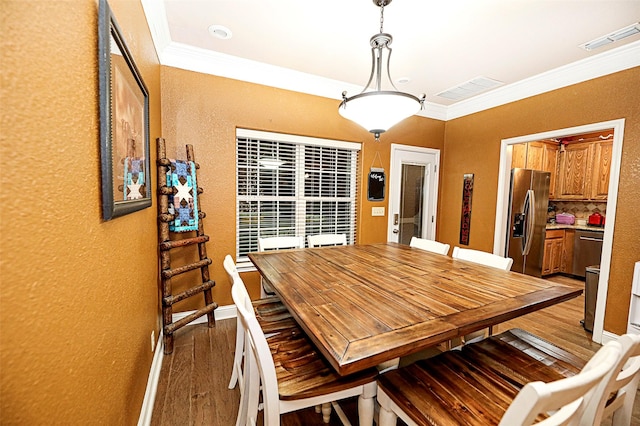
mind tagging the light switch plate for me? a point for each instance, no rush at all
(377, 211)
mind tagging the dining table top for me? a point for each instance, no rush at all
(364, 305)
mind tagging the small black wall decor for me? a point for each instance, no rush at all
(376, 185)
(465, 220)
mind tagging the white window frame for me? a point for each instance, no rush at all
(243, 263)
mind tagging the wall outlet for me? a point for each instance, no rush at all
(377, 211)
(153, 340)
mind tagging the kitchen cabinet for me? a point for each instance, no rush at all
(601, 170)
(551, 165)
(552, 261)
(539, 155)
(519, 156)
(584, 171)
(567, 252)
(575, 165)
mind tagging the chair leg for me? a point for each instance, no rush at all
(236, 376)
(243, 407)
(326, 412)
(252, 387)
(367, 405)
(387, 418)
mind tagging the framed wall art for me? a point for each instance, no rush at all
(124, 123)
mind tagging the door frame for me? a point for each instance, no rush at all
(502, 220)
(436, 183)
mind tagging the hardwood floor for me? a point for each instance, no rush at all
(192, 389)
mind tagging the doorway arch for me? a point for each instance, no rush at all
(502, 220)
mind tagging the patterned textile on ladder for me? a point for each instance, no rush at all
(184, 203)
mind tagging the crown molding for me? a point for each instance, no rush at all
(156, 16)
(609, 62)
(191, 58)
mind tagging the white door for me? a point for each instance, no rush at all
(413, 193)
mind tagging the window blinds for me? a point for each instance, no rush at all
(291, 185)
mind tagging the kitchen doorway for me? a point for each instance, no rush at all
(502, 219)
(413, 193)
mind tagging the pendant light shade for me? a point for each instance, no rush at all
(376, 109)
(380, 110)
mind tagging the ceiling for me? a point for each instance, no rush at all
(322, 48)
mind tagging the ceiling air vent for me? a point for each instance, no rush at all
(614, 36)
(470, 88)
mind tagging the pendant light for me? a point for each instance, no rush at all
(376, 109)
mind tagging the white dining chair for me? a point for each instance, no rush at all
(287, 373)
(272, 315)
(323, 240)
(413, 393)
(429, 245)
(276, 243)
(487, 259)
(617, 396)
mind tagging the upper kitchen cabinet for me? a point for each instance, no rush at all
(575, 168)
(539, 155)
(550, 165)
(584, 170)
(601, 170)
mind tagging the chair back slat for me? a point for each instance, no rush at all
(323, 240)
(279, 243)
(483, 258)
(430, 245)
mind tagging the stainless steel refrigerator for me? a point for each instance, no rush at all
(528, 202)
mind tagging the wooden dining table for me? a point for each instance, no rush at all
(364, 305)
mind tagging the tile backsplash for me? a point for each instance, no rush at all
(580, 209)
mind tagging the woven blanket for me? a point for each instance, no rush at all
(134, 178)
(184, 203)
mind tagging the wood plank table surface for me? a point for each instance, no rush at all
(363, 305)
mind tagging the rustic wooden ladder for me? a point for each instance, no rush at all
(166, 245)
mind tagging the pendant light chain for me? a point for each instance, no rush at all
(381, 16)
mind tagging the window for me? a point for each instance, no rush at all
(293, 186)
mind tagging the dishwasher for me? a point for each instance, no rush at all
(587, 250)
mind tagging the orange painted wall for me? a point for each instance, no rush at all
(205, 110)
(472, 145)
(78, 298)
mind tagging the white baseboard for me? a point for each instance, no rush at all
(152, 384)
(221, 312)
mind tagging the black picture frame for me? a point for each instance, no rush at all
(376, 185)
(124, 123)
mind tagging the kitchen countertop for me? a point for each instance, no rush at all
(579, 227)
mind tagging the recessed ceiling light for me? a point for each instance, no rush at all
(403, 80)
(220, 32)
(611, 37)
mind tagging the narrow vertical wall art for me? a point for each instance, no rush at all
(465, 220)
